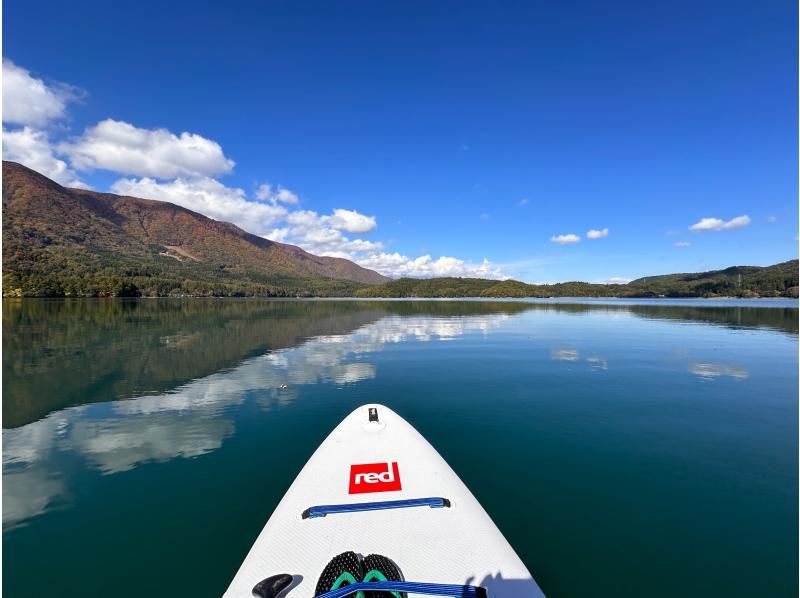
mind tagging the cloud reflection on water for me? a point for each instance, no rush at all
(565, 354)
(595, 362)
(711, 371)
(194, 419)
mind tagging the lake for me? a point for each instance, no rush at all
(624, 448)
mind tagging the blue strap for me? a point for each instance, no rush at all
(415, 587)
(322, 510)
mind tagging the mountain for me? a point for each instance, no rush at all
(779, 280)
(72, 242)
(59, 241)
(736, 280)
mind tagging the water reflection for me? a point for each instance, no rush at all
(196, 418)
(595, 362)
(118, 384)
(565, 354)
(598, 363)
(27, 493)
(710, 371)
(72, 352)
(113, 445)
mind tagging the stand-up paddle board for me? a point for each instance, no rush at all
(377, 513)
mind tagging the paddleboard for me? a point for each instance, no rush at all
(376, 486)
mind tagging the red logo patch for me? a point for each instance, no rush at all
(374, 477)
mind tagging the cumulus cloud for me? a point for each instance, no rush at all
(352, 221)
(280, 195)
(597, 234)
(121, 147)
(716, 224)
(682, 244)
(30, 101)
(397, 266)
(209, 197)
(319, 234)
(568, 239)
(33, 149)
(615, 280)
(323, 234)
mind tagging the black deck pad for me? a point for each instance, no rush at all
(347, 562)
(388, 569)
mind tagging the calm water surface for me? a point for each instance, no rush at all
(623, 449)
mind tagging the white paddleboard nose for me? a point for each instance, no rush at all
(375, 486)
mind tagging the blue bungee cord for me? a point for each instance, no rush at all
(415, 587)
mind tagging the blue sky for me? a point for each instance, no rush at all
(483, 135)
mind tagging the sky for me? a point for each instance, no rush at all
(541, 141)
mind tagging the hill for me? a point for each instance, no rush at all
(61, 242)
(737, 280)
(780, 280)
(73, 242)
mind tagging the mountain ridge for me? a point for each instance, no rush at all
(60, 242)
(42, 219)
(777, 280)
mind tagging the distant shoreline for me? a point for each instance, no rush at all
(795, 302)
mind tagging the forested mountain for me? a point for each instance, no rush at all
(59, 241)
(737, 280)
(780, 280)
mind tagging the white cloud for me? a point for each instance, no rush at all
(352, 221)
(30, 101)
(484, 216)
(318, 234)
(716, 224)
(523, 201)
(124, 148)
(209, 197)
(615, 280)
(682, 244)
(323, 235)
(33, 149)
(565, 239)
(772, 218)
(597, 234)
(280, 195)
(397, 266)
